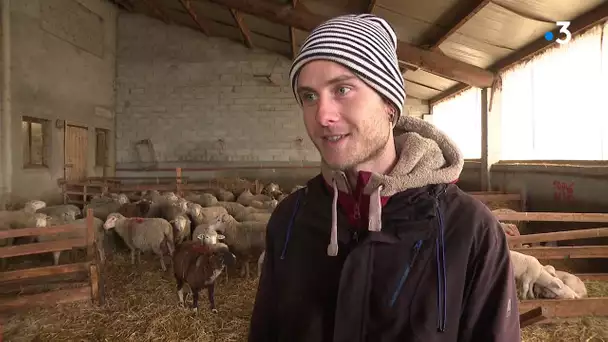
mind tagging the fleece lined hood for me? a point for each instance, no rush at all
(425, 156)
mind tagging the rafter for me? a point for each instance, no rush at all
(238, 18)
(370, 7)
(292, 34)
(431, 61)
(188, 7)
(579, 24)
(156, 9)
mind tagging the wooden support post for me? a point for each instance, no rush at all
(485, 162)
(90, 233)
(178, 180)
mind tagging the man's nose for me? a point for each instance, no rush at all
(327, 111)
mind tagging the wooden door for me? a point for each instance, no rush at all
(76, 148)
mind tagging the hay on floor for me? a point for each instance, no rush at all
(141, 305)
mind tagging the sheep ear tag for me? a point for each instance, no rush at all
(220, 237)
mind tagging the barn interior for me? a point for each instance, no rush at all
(122, 96)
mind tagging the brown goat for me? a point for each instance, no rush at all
(199, 265)
(135, 209)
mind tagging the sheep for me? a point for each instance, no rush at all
(272, 189)
(205, 199)
(222, 194)
(103, 207)
(135, 209)
(200, 215)
(572, 281)
(82, 233)
(64, 211)
(529, 271)
(19, 219)
(199, 265)
(181, 228)
(246, 197)
(209, 236)
(245, 239)
(261, 217)
(143, 234)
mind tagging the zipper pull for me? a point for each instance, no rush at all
(356, 236)
(357, 213)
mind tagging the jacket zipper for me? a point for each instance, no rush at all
(405, 274)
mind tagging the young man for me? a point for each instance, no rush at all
(411, 257)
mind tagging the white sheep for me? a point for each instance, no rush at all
(181, 228)
(246, 197)
(209, 235)
(246, 239)
(63, 211)
(529, 272)
(261, 262)
(143, 234)
(572, 281)
(18, 219)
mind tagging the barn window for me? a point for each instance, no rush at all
(554, 107)
(460, 118)
(101, 147)
(34, 142)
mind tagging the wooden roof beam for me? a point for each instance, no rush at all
(431, 61)
(459, 15)
(292, 34)
(370, 7)
(579, 24)
(156, 9)
(188, 7)
(238, 18)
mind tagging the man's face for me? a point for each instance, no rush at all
(346, 119)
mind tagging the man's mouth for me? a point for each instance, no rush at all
(334, 138)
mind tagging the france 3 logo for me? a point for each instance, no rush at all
(563, 29)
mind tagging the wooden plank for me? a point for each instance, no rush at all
(553, 217)
(565, 252)
(13, 233)
(531, 317)
(431, 61)
(461, 12)
(245, 34)
(46, 298)
(94, 277)
(42, 247)
(559, 236)
(562, 308)
(43, 271)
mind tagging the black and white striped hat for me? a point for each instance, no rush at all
(364, 43)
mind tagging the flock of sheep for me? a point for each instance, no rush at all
(204, 232)
(537, 280)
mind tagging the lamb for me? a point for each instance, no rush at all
(199, 265)
(143, 234)
(570, 280)
(246, 197)
(245, 239)
(529, 272)
(99, 236)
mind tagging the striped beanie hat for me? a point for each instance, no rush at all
(364, 43)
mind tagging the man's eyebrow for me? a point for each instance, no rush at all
(338, 79)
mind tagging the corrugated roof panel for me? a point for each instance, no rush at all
(420, 91)
(433, 81)
(472, 51)
(500, 27)
(408, 29)
(266, 28)
(427, 11)
(552, 10)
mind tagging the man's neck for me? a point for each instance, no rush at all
(382, 164)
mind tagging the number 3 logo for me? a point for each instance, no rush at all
(564, 29)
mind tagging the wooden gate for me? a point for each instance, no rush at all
(76, 148)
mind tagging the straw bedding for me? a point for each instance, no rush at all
(141, 305)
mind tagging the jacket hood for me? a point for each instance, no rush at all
(425, 156)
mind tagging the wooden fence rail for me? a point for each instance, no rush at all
(92, 289)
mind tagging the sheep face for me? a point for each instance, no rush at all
(194, 209)
(122, 199)
(172, 197)
(210, 237)
(183, 204)
(180, 223)
(35, 205)
(111, 221)
(42, 220)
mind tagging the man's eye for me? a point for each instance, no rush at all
(343, 90)
(309, 97)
